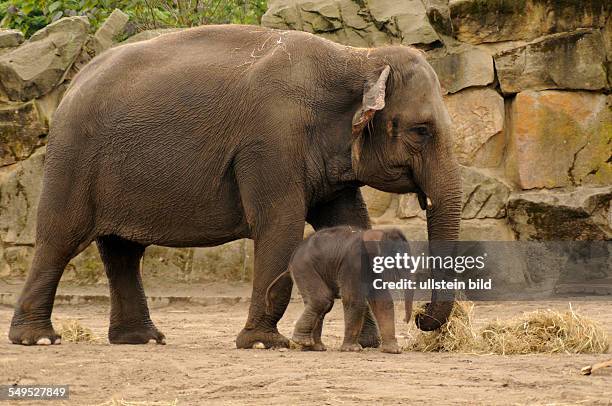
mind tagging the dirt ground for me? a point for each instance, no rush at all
(200, 364)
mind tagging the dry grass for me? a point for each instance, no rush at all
(542, 331)
(545, 331)
(457, 335)
(73, 332)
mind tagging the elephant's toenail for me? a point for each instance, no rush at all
(43, 341)
(57, 341)
(259, 346)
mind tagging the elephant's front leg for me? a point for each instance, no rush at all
(273, 250)
(348, 209)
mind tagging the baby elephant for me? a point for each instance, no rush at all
(329, 265)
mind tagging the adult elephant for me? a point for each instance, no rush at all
(217, 133)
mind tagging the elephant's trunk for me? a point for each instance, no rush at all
(443, 218)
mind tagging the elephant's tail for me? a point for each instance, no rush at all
(269, 305)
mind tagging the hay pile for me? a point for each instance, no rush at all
(73, 332)
(542, 331)
(546, 331)
(457, 335)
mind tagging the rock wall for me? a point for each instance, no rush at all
(526, 82)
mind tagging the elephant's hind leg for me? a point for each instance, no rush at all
(130, 322)
(31, 323)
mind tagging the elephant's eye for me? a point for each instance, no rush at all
(421, 133)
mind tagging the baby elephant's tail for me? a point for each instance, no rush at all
(269, 305)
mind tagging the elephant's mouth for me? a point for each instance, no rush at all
(424, 201)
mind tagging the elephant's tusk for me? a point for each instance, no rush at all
(429, 204)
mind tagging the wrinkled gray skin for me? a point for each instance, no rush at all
(336, 263)
(217, 133)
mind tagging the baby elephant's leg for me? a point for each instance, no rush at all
(318, 301)
(316, 334)
(381, 302)
(355, 307)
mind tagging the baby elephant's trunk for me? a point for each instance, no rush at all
(408, 296)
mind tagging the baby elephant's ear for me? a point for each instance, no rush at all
(372, 240)
(373, 100)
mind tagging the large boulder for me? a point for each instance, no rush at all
(39, 65)
(20, 187)
(580, 214)
(478, 21)
(558, 138)
(463, 68)
(372, 23)
(10, 38)
(478, 123)
(562, 61)
(112, 27)
(483, 195)
(406, 19)
(21, 131)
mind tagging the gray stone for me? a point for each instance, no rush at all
(406, 19)
(20, 187)
(575, 214)
(463, 68)
(105, 36)
(10, 38)
(478, 123)
(483, 195)
(478, 21)
(21, 131)
(39, 65)
(563, 61)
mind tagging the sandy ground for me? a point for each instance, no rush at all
(200, 364)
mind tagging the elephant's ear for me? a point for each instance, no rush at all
(372, 240)
(373, 100)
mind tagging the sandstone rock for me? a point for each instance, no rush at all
(477, 21)
(463, 68)
(47, 104)
(378, 202)
(20, 187)
(483, 195)
(486, 230)
(105, 36)
(39, 65)
(406, 19)
(21, 131)
(562, 61)
(478, 123)
(580, 214)
(372, 23)
(560, 139)
(10, 38)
